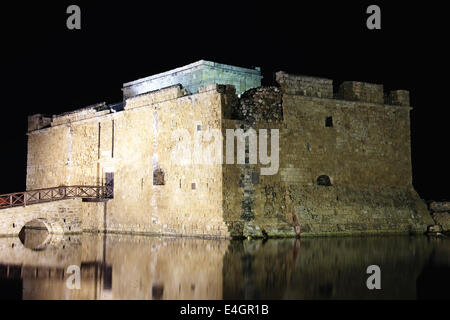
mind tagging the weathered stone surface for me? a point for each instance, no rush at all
(365, 154)
(304, 85)
(361, 91)
(398, 98)
(440, 206)
(132, 144)
(362, 146)
(262, 104)
(38, 121)
(434, 229)
(443, 220)
(59, 217)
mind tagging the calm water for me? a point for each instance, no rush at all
(137, 267)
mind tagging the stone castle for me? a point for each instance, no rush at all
(344, 157)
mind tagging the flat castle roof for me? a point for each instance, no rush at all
(195, 75)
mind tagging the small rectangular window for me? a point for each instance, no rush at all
(329, 122)
(199, 127)
(109, 185)
(107, 280)
(193, 186)
(255, 178)
(158, 177)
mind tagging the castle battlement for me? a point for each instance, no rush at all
(204, 75)
(348, 90)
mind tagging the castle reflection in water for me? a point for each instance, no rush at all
(139, 267)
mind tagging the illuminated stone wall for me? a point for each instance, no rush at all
(360, 142)
(362, 147)
(81, 147)
(59, 217)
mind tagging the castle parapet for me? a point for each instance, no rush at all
(304, 85)
(361, 91)
(398, 98)
(38, 121)
(157, 96)
(348, 90)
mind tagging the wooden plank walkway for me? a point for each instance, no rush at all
(26, 198)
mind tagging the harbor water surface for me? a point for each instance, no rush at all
(41, 266)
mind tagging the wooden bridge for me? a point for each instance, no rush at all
(22, 199)
(59, 209)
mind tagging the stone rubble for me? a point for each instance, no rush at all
(263, 104)
(441, 214)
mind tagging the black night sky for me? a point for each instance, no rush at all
(48, 69)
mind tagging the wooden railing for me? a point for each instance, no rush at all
(21, 199)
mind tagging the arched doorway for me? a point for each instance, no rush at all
(324, 180)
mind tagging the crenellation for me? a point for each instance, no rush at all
(361, 91)
(398, 98)
(38, 121)
(305, 85)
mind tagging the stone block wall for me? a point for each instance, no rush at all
(357, 143)
(398, 98)
(441, 214)
(363, 149)
(304, 85)
(132, 144)
(60, 217)
(259, 104)
(361, 91)
(38, 121)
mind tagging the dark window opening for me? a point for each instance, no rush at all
(324, 181)
(157, 291)
(107, 280)
(112, 139)
(99, 139)
(255, 178)
(109, 184)
(199, 127)
(194, 186)
(158, 177)
(329, 122)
